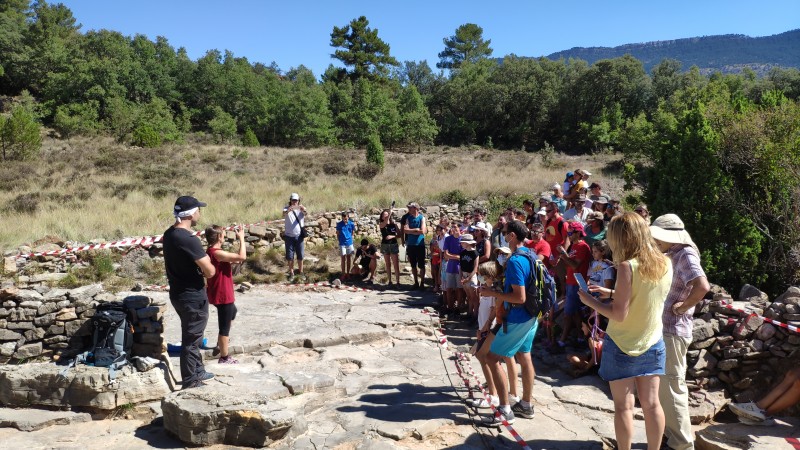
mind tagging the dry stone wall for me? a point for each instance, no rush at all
(45, 322)
(743, 353)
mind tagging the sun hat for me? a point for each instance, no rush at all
(466, 239)
(595, 215)
(556, 186)
(669, 228)
(413, 205)
(294, 196)
(577, 227)
(504, 250)
(480, 226)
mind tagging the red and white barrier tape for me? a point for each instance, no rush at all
(462, 362)
(766, 319)
(144, 241)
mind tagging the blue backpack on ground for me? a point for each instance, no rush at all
(540, 288)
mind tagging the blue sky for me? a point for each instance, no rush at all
(293, 33)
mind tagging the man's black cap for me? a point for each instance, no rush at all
(186, 203)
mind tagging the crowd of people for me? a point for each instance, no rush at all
(632, 322)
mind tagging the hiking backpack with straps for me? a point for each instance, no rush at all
(540, 288)
(112, 339)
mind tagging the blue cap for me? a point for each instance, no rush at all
(569, 175)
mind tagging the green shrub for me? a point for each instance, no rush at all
(146, 136)
(249, 139)
(103, 266)
(240, 154)
(222, 125)
(375, 151)
(19, 135)
(77, 119)
(453, 197)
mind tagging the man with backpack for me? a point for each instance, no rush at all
(187, 267)
(515, 337)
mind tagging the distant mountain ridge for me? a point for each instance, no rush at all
(726, 53)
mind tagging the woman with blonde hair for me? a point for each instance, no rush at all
(634, 355)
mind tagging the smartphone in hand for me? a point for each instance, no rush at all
(583, 286)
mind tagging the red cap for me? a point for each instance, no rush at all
(577, 227)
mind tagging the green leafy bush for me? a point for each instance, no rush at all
(145, 136)
(375, 150)
(249, 138)
(77, 119)
(19, 135)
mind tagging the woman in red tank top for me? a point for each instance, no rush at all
(220, 286)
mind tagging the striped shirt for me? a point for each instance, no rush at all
(685, 268)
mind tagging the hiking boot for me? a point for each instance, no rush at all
(227, 360)
(519, 410)
(748, 410)
(206, 376)
(194, 384)
(497, 419)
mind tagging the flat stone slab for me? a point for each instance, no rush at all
(36, 419)
(83, 386)
(737, 436)
(217, 414)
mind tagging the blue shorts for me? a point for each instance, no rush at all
(294, 245)
(618, 365)
(518, 338)
(572, 305)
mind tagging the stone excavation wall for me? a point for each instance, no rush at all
(51, 322)
(321, 229)
(742, 353)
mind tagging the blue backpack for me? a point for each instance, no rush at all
(540, 288)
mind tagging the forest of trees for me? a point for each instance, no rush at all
(722, 151)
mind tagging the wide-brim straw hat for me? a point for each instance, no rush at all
(669, 228)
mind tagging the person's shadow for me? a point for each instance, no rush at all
(407, 402)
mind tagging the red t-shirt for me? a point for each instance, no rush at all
(220, 286)
(579, 250)
(555, 232)
(541, 248)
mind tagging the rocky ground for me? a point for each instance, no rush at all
(331, 368)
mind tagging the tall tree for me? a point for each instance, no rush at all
(358, 46)
(466, 45)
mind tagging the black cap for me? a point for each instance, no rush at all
(186, 203)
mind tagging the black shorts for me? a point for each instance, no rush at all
(225, 315)
(416, 255)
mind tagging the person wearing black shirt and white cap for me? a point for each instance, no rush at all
(187, 267)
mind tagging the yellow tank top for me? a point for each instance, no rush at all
(643, 326)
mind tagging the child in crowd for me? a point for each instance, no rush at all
(601, 273)
(468, 263)
(490, 309)
(436, 262)
(344, 233)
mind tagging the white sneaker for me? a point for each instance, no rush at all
(757, 423)
(482, 403)
(748, 410)
(512, 399)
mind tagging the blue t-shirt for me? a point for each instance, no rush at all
(415, 239)
(518, 271)
(453, 245)
(345, 232)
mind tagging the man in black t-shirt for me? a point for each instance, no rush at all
(187, 267)
(368, 261)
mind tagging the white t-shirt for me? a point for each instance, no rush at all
(293, 221)
(572, 214)
(484, 307)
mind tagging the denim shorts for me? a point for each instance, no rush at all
(517, 338)
(294, 246)
(572, 304)
(618, 365)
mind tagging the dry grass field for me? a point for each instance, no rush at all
(94, 188)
